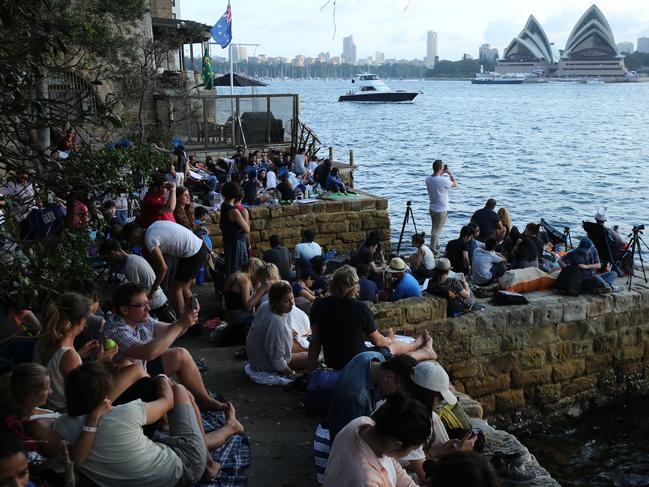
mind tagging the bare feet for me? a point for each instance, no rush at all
(211, 403)
(232, 424)
(428, 348)
(211, 469)
(420, 341)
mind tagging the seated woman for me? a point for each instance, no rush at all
(184, 211)
(367, 450)
(302, 287)
(241, 293)
(422, 262)
(459, 297)
(506, 220)
(340, 324)
(270, 339)
(63, 321)
(298, 320)
(321, 282)
(94, 323)
(285, 189)
(334, 182)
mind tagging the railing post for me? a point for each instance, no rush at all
(351, 157)
(331, 154)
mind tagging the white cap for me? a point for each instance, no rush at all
(601, 215)
(432, 376)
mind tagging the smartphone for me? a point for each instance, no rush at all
(193, 303)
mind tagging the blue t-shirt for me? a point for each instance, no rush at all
(354, 395)
(408, 287)
(367, 290)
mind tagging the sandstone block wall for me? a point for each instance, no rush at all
(552, 356)
(338, 224)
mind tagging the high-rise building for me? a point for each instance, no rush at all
(298, 60)
(379, 57)
(431, 48)
(487, 53)
(349, 50)
(643, 44)
(239, 54)
(625, 47)
(324, 57)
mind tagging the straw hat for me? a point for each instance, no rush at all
(396, 265)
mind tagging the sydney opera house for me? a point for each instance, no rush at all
(590, 51)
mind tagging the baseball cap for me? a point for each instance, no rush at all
(432, 376)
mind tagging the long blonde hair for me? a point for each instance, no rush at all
(58, 319)
(25, 380)
(505, 219)
(251, 267)
(268, 273)
(344, 283)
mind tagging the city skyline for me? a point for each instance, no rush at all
(384, 26)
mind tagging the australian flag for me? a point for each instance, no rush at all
(222, 30)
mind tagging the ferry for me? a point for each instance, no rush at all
(497, 79)
(369, 88)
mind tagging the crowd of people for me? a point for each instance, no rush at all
(489, 245)
(97, 376)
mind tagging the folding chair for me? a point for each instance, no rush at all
(598, 234)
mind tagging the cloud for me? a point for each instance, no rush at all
(501, 31)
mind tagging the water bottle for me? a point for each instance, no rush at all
(200, 277)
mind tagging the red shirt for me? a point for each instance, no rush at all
(150, 211)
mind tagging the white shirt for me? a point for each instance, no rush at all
(438, 187)
(306, 251)
(137, 269)
(481, 267)
(271, 180)
(299, 164)
(172, 238)
(428, 258)
(311, 167)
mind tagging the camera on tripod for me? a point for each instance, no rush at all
(638, 229)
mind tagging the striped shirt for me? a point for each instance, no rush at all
(269, 341)
(126, 336)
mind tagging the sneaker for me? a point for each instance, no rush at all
(617, 289)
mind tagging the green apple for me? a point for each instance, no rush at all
(109, 344)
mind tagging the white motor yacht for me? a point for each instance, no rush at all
(369, 88)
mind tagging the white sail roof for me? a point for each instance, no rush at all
(591, 37)
(531, 44)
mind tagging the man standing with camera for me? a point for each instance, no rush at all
(438, 185)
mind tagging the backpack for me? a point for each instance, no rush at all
(570, 280)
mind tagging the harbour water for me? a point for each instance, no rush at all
(542, 150)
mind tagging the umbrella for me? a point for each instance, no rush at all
(237, 80)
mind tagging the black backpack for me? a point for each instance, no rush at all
(570, 280)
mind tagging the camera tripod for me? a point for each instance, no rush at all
(409, 215)
(635, 244)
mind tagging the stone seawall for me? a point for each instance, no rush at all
(340, 225)
(554, 356)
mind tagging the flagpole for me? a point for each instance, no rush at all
(231, 72)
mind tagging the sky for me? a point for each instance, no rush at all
(398, 27)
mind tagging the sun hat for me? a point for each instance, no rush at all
(601, 214)
(432, 376)
(396, 265)
(443, 264)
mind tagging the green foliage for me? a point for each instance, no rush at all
(465, 68)
(45, 41)
(637, 61)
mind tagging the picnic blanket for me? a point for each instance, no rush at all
(233, 456)
(339, 196)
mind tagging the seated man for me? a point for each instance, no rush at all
(121, 454)
(366, 379)
(278, 254)
(585, 257)
(488, 265)
(400, 283)
(457, 251)
(459, 297)
(490, 225)
(365, 255)
(146, 341)
(136, 269)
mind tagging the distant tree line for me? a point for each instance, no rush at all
(443, 69)
(637, 61)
